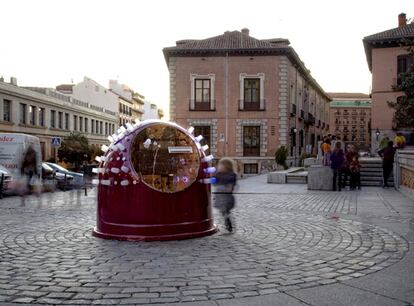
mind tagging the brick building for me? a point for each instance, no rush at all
(246, 97)
(350, 118)
(387, 58)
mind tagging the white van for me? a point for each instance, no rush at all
(12, 148)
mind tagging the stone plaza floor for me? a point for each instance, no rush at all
(291, 247)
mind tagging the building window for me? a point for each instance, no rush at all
(32, 115)
(96, 126)
(52, 119)
(23, 108)
(75, 122)
(92, 126)
(202, 94)
(100, 127)
(86, 125)
(252, 90)
(251, 168)
(106, 128)
(60, 120)
(205, 132)
(67, 121)
(7, 110)
(404, 63)
(80, 124)
(41, 116)
(251, 141)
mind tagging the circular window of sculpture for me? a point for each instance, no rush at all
(166, 158)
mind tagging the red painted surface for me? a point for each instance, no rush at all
(138, 212)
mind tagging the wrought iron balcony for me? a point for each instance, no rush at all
(252, 106)
(202, 106)
(310, 119)
(293, 110)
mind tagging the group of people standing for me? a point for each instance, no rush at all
(344, 164)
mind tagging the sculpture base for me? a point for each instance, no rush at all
(180, 236)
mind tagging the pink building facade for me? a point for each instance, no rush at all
(387, 57)
(247, 97)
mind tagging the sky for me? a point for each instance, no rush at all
(50, 42)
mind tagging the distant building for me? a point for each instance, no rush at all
(350, 118)
(247, 97)
(387, 58)
(45, 113)
(151, 111)
(92, 92)
(131, 104)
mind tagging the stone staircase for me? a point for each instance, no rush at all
(371, 172)
(299, 177)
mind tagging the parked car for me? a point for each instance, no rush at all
(52, 179)
(77, 177)
(8, 180)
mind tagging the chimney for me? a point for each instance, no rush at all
(13, 81)
(402, 20)
(245, 31)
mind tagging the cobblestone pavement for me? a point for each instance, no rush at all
(282, 242)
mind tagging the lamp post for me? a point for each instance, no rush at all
(294, 149)
(377, 132)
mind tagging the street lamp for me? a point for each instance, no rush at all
(377, 132)
(294, 149)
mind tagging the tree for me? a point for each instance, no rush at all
(75, 149)
(281, 156)
(404, 106)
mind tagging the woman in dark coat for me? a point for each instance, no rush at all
(337, 163)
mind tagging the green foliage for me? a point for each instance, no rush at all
(404, 107)
(75, 149)
(281, 156)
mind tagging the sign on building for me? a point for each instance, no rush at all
(56, 141)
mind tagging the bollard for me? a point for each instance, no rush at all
(1, 186)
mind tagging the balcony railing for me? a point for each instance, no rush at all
(293, 110)
(310, 119)
(252, 106)
(202, 106)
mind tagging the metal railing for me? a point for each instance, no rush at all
(259, 105)
(202, 106)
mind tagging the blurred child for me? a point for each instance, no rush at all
(225, 182)
(355, 173)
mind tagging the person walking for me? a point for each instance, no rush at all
(387, 154)
(337, 162)
(225, 181)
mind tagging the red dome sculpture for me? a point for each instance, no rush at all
(154, 184)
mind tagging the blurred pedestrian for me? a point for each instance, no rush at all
(29, 168)
(400, 141)
(349, 156)
(225, 181)
(387, 156)
(384, 142)
(337, 162)
(326, 151)
(355, 173)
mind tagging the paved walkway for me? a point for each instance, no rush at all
(291, 247)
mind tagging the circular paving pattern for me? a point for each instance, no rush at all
(49, 256)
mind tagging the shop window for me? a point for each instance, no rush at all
(251, 141)
(165, 158)
(251, 169)
(205, 131)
